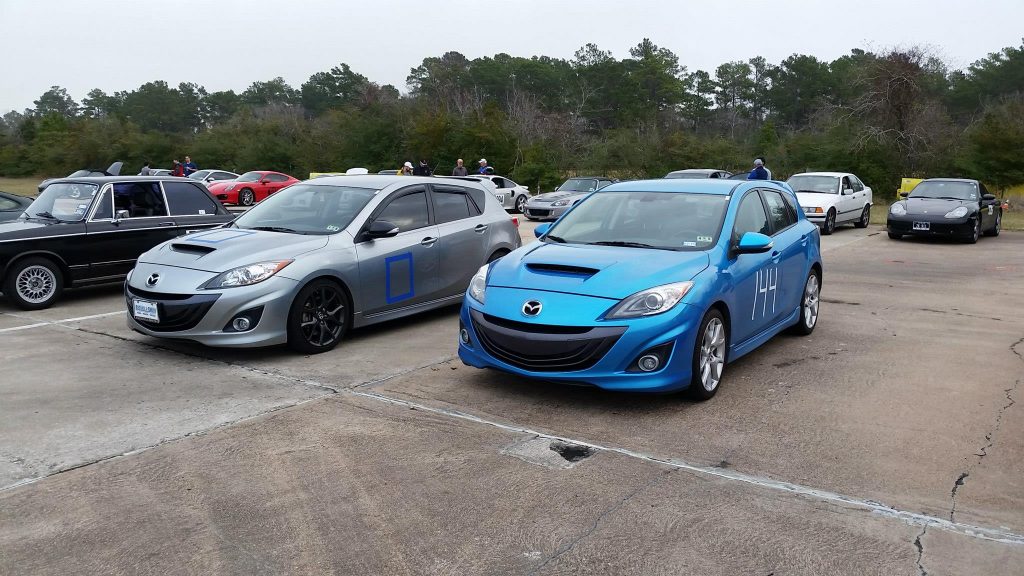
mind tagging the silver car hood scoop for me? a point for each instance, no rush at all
(222, 249)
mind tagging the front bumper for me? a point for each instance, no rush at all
(227, 197)
(937, 227)
(596, 353)
(544, 211)
(202, 315)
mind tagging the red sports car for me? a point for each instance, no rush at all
(251, 187)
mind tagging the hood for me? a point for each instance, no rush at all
(553, 196)
(816, 199)
(602, 271)
(935, 206)
(25, 228)
(219, 184)
(222, 249)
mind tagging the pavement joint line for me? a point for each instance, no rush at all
(54, 322)
(910, 518)
(26, 327)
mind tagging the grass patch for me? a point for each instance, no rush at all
(23, 186)
(1013, 219)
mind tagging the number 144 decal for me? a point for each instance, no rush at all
(767, 280)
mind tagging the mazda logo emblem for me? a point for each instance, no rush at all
(152, 280)
(531, 308)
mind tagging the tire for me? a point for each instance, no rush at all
(34, 283)
(895, 236)
(976, 233)
(709, 356)
(810, 300)
(246, 197)
(497, 255)
(865, 218)
(998, 225)
(830, 223)
(319, 317)
(520, 203)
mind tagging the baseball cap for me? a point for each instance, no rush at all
(758, 162)
(483, 161)
(408, 164)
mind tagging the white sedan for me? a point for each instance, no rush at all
(832, 198)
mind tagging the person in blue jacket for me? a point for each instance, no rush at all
(758, 173)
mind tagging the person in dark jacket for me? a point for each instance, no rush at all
(177, 169)
(190, 166)
(758, 173)
(422, 170)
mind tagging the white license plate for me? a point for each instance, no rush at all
(922, 226)
(145, 310)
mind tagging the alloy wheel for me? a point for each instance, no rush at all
(712, 354)
(247, 198)
(521, 204)
(323, 317)
(36, 284)
(811, 302)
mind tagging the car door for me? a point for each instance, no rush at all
(788, 254)
(847, 205)
(192, 209)
(402, 270)
(133, 222)
(464, 235)
(272, 183)
(754, 277)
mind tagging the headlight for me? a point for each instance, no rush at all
(246, 275)
(229, 187)
(560, 203)
(813, 210)
(478, 285)
(957, 212)
(898, 209)
(651, 301)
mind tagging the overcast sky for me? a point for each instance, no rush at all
(227, 44)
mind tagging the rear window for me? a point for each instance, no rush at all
(189, 200)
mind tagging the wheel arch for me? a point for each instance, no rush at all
(723, 309)
(65, 270)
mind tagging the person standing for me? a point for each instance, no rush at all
(177, 169)
(483, 166)
(758, 173)
(766, 169)
(145, 169)
(406, 169)
(460, 170)
(190, 166)
(423, 169)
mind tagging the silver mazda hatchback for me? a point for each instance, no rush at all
(319, 257)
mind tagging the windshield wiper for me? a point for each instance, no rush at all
(276, 229)
(43, 214)
(621, 243)
(815, 192)
(554, 238)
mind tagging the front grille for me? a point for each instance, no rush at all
(178, 312)
(535, 212)
(554, 349)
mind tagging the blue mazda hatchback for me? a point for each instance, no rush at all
(650, 285)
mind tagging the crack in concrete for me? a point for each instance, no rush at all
(567, 547)
(989, 437)
(920, 552)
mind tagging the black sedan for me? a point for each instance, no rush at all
(90, 230)
(12, 205)
(946, 208)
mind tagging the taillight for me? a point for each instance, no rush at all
(515, 220)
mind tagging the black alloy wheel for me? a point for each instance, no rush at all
(246, 197)
(865, 218)
(319, 317)
(997, 226)
(976, 232)
(830, 223)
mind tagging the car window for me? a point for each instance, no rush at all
(224, 176)
(499, 182)
(510, 184)
(104, 208)
(189, 200)
(140, 199)
(750, 217)
(846, 184)
(408, 212)
(778, 210)
(858, 186)
(7, 204)
(450, 204)
(478, 196)
(277, 178)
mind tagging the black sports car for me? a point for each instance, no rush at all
(90, 230)
(946, 207)
(12, 205)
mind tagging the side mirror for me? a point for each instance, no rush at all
(904, 194)
(541, 230)
(753, 243)
(209, 178)
(847, 191)
(381, 229)
(121, 215)
(989, 197)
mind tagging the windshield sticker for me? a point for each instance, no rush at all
(202, 212)
(333, 228)
(707, 239)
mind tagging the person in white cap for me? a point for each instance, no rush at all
(758, 173)
(483, 166)
(406, 169)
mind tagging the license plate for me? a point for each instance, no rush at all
(145, 310)
(922, 226)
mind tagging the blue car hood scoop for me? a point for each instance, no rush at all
(602, 271)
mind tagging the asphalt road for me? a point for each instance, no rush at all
(891, 441)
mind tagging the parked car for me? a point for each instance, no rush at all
(212, 175)
(553, 204)
(251, 187)
(319, 257)
(13, 205)
(511, 195)
(159, 172)
(112, 170)
(648, 286)
(832, 198)
(388, 172)
(699, 173)
(946, 207)
(89, 230)
(740, 176)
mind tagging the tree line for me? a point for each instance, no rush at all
(883, 115)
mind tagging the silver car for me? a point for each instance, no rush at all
(319, 257)
(552, 205)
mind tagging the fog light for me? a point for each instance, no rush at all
(464, 336)
(241, 324)
(648, 362)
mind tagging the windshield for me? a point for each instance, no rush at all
(65, 201)
(673, 221)
(249, 177)
(307, 209)
(578, 185)
(199, 175)
(951, 190)
(815, 184)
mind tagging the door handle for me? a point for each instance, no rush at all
(480, 227)
(167, 224)
(428, 241)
